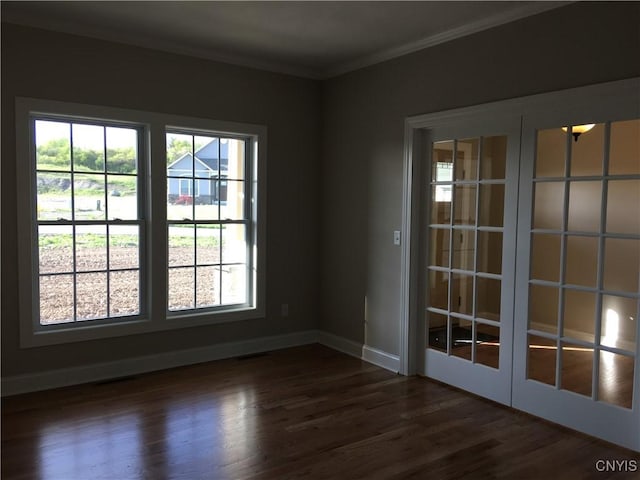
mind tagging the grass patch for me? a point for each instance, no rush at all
(188, 241)
(86, 240)
(55, 240)
(97, 240)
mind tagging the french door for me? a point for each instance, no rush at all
(577, 286)
(471, 226)
(529, 291)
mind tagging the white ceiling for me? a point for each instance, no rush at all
(310, 39)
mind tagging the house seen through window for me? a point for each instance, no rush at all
(208, 221)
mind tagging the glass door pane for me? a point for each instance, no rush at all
(465, 283)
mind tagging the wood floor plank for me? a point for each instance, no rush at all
(308, 412)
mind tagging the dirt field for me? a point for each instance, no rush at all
(56, 291)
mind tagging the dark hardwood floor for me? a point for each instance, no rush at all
(307, 412)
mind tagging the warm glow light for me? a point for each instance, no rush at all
(564, 348)
(580, 128)
(577, 130)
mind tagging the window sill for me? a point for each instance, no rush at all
(43, 337)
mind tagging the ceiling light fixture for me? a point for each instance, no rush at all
(577, 130)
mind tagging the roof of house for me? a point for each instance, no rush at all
(210, 150)
(187, 156)
(208, 155)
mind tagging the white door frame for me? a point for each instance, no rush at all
(583, 102)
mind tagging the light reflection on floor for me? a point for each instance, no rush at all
(615, 371)
(107, 447)
(217, 430)
(615, 375)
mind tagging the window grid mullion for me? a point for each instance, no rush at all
(454, 159)
(59, 274)
(143, 199)
(248, 214)
(600, 272)
(106, 218)
(219, 263)
(219, 200)
(192, 191)
(474, 333)
(73, 224)
(563, 256)
(587, 178)
(195, 261)
(219, 207)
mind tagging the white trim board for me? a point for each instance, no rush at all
(65, 377)
(381, 359)
(340, 344)
(133, 366)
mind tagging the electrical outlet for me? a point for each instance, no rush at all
(285, 309)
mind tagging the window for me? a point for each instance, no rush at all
(185, 186)
(135, 221)
(443, 173)
(88, 220)
(209, 258)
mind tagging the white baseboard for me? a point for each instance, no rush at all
(340, 344)
(382, 359)
(363, 352)
(134, 366)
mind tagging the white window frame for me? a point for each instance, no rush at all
(74, 224)
(247, 206)
(154, 316)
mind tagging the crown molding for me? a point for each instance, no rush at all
(443, 37)
(153, 43)
(113, 35)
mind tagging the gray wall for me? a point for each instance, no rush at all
(364, 111)
(334, 158)
(43, 64)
